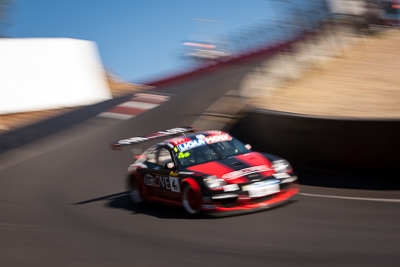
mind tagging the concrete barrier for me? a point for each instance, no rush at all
(353, 146)
(50, 73)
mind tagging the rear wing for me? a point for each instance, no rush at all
(137, 140)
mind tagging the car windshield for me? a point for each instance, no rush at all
(210, 152)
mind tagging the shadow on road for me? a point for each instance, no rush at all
(122, 201)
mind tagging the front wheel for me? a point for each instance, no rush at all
(190, 201)
(136, 190)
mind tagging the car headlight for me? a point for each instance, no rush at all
(214, 182)
(281, 166)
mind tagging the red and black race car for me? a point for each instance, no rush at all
(208, 172)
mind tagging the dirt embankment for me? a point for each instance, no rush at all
(364, 82)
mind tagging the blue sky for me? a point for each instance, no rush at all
(138, 39)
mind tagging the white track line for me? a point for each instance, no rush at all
(151, 97)
(140, 105)
(353, 198)
(117, 116)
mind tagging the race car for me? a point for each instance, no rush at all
(209, 172)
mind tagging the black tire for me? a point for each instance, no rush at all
(190, 201)
(136, 190)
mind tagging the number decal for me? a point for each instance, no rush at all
(174, 184)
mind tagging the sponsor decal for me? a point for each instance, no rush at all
(179, 140)
(261, 189)
(214, 132)
(246, 171)
(183, 155)
(206, 140)
(218, 138)
(191, 144)
(168, 183)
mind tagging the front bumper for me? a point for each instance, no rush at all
(244, 205)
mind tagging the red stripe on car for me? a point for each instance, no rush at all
(218, 169)
(256, 159)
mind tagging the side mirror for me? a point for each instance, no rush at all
(169, 166)
(247, 146)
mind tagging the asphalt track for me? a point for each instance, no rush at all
(63, 203)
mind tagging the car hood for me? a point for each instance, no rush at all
(238, 169)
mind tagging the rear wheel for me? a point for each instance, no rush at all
(190, 201)
(136, 190)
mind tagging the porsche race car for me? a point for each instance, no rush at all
(208, 172)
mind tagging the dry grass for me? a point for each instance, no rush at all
(363, 83)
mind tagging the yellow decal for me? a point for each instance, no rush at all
(183, 155)
(172, 173)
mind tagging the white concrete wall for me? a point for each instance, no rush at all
(49, 73)
(347, 7)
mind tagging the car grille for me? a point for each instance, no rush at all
(236, 203)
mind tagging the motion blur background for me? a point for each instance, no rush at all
(313, 81)
(337, 72)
